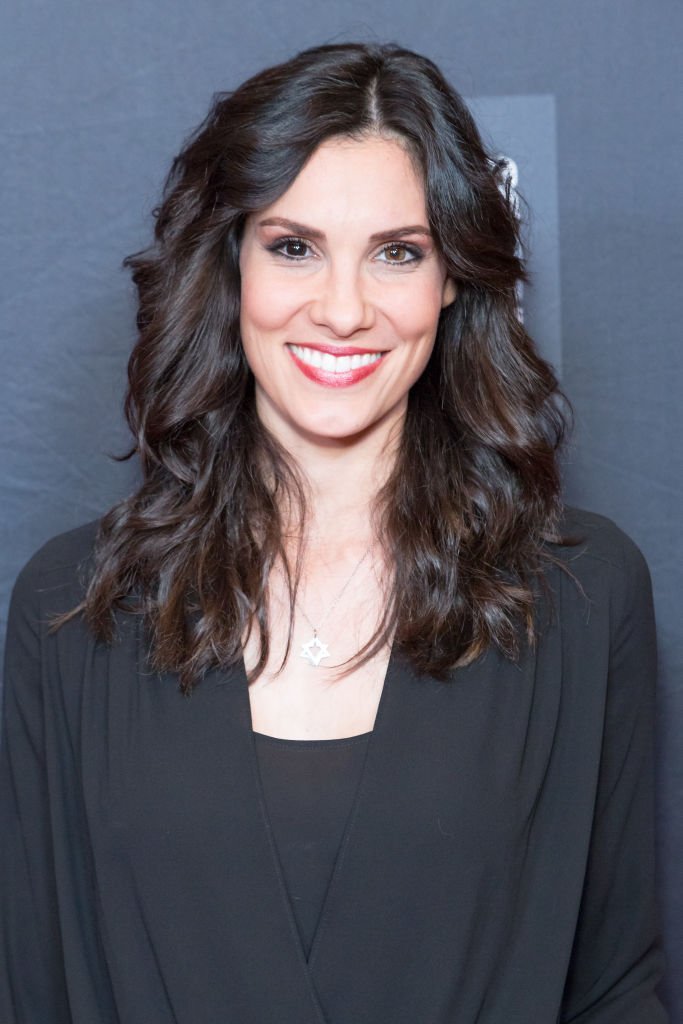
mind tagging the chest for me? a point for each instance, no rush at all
(450, 766)
(306, 702)
(306, 693)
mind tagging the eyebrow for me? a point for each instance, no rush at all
(379, 236)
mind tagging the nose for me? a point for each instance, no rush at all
(341, 303)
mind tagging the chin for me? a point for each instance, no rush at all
(329, 433)
(320, 421)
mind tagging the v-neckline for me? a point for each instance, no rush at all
(337, 870)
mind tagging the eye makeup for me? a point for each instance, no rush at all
(415, 253)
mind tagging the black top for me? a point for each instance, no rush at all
(309, 787)
(496, 866)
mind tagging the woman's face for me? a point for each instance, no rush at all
(341, 293)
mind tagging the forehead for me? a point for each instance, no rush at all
(347, 180)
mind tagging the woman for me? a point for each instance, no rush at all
(413, 778)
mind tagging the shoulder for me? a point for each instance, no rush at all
(58, 569)
(607, 576)
(595, 545)
(51, 582)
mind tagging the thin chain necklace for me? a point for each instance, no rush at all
(314, 650)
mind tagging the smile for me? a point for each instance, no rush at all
(334, 364)
(334, 371)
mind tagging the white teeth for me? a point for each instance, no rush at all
(334, 364)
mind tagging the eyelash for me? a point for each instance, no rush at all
(415, 252)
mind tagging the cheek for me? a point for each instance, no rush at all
(415, 311)
(266, 302)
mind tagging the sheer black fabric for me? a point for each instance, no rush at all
(309, 786)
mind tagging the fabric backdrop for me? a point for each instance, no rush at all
(586, 98)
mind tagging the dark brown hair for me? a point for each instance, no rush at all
(472, 502)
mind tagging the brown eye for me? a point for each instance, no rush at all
(400, 255)
(294, 247)
(290, 248)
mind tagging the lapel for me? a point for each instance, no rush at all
(266, 955)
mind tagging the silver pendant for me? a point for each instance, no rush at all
(314, 651)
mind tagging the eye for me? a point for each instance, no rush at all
(290, 248)
(400, 253)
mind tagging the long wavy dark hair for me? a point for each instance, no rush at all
(470, 512)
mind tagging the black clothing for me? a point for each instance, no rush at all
(496, 866)
(308, 787)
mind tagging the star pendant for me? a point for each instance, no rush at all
(314, 656)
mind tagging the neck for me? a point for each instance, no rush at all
(342, 479)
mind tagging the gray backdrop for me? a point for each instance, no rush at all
(586, 97)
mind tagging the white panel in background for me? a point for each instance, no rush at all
(523, 129)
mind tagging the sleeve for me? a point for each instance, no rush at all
(616, 960)
(32, 983)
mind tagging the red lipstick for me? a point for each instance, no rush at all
(335, 380)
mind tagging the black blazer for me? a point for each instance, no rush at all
(497, 866)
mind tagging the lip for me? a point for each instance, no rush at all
(335, 380)
(340, 350)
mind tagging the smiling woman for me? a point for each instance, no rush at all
(414, 780)
(350, 278)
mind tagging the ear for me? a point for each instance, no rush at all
(450, 290)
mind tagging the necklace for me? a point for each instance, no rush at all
(314, 650)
